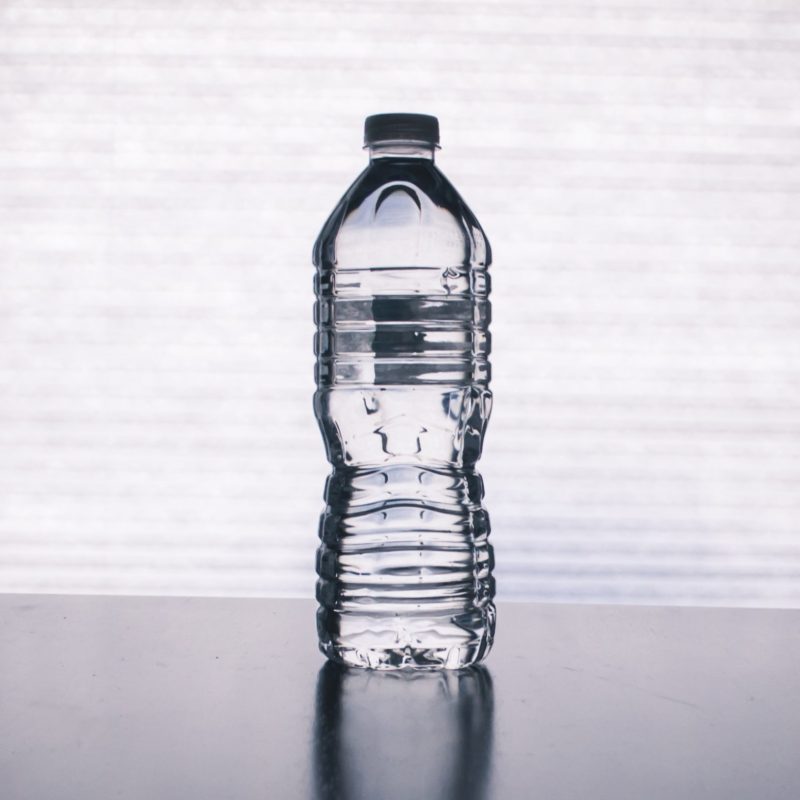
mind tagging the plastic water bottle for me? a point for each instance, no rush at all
(403, 400)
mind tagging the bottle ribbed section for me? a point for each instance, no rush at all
(405, 535)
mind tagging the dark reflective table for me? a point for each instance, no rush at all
(108, 697)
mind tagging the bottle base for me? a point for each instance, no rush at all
(406, 659)
(410, 643)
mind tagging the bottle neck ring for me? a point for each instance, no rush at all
(424, 151)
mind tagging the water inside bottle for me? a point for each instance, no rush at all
(403, 402)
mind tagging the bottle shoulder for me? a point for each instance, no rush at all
(401, 213)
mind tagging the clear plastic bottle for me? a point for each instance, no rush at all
(403, 401)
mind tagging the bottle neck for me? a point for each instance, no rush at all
(416, 150)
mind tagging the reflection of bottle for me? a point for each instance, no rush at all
(403, 401)
(402, 735)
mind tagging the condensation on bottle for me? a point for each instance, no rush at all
(402, 312)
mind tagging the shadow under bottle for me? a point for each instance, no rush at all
(402, 734)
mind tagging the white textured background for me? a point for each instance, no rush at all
(165, 167)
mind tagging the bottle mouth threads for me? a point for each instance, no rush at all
(409, 128)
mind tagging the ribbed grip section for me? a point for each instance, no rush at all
(405, 566)
(404, 533)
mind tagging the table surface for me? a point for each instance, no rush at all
(138, 697)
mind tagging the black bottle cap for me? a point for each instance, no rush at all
(401, 128)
